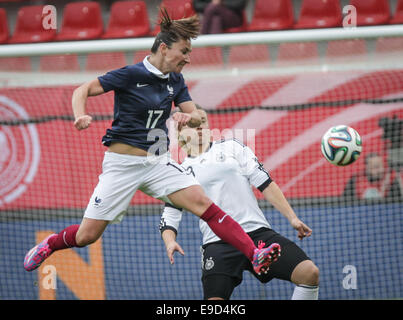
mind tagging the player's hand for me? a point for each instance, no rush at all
(181, 118)
(83, 122)
(302, 228)
(172, 247)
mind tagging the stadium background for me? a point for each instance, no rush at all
(290, 93)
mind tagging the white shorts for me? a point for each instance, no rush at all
(122, 175)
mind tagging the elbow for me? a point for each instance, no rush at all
(90, 88)
(81, 91)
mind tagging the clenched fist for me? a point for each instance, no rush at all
(83, 122)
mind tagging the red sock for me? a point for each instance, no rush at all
(228, 230)
(65, 239)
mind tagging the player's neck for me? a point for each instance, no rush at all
(157, 62)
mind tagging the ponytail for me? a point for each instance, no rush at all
(175, 30)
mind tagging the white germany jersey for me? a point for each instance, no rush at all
(226, 172)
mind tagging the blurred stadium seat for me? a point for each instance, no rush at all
(297, 53)
(249, 55)
(177, 9)
(371, 12)
(4, 33)
(398, 16)
(81, 21)
(15, 64)
(140, 55)
(105, 61)
(347, 50)
(389, 46)
(65, 62)
(272, 15)
(319, 14)
(127, 19)
(206, 57)
(29, 26)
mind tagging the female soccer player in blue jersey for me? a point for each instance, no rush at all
(226, 170)
(137, 158)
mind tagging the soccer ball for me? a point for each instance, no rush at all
(341, 145)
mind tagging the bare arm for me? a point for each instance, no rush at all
(79, 102)
(169, 224)
(275, 196)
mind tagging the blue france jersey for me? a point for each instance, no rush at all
(142, 105)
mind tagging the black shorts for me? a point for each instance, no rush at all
(223, 265)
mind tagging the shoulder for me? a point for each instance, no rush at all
(189, 161)
(136, 68)
(230, 141)
(124, 71)
(229, 146)
(137, 73)
(185, 161)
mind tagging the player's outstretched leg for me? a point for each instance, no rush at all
(227, 229)
(231, 232)
(76, 235)
(264, 257)
(65, 239)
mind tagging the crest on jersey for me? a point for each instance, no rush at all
(170, 90)
(209, 264)
(220, 157)
(20, 151)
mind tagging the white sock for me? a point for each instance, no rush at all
(305, 292)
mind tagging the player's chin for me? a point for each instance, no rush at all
(180, 67)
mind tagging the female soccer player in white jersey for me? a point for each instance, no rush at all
(226, 170)
(144, 93)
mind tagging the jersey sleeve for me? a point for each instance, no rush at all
(170, 219)
(115, 79)
(183, 94)
(251, 167)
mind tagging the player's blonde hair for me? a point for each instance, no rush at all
(175, 30)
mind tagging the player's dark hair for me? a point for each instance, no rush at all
(175, 30)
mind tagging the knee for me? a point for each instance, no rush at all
(306, 273)
(86, 238)
(312, 276)
(192, 199)
(199, 203)
(201, 200)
